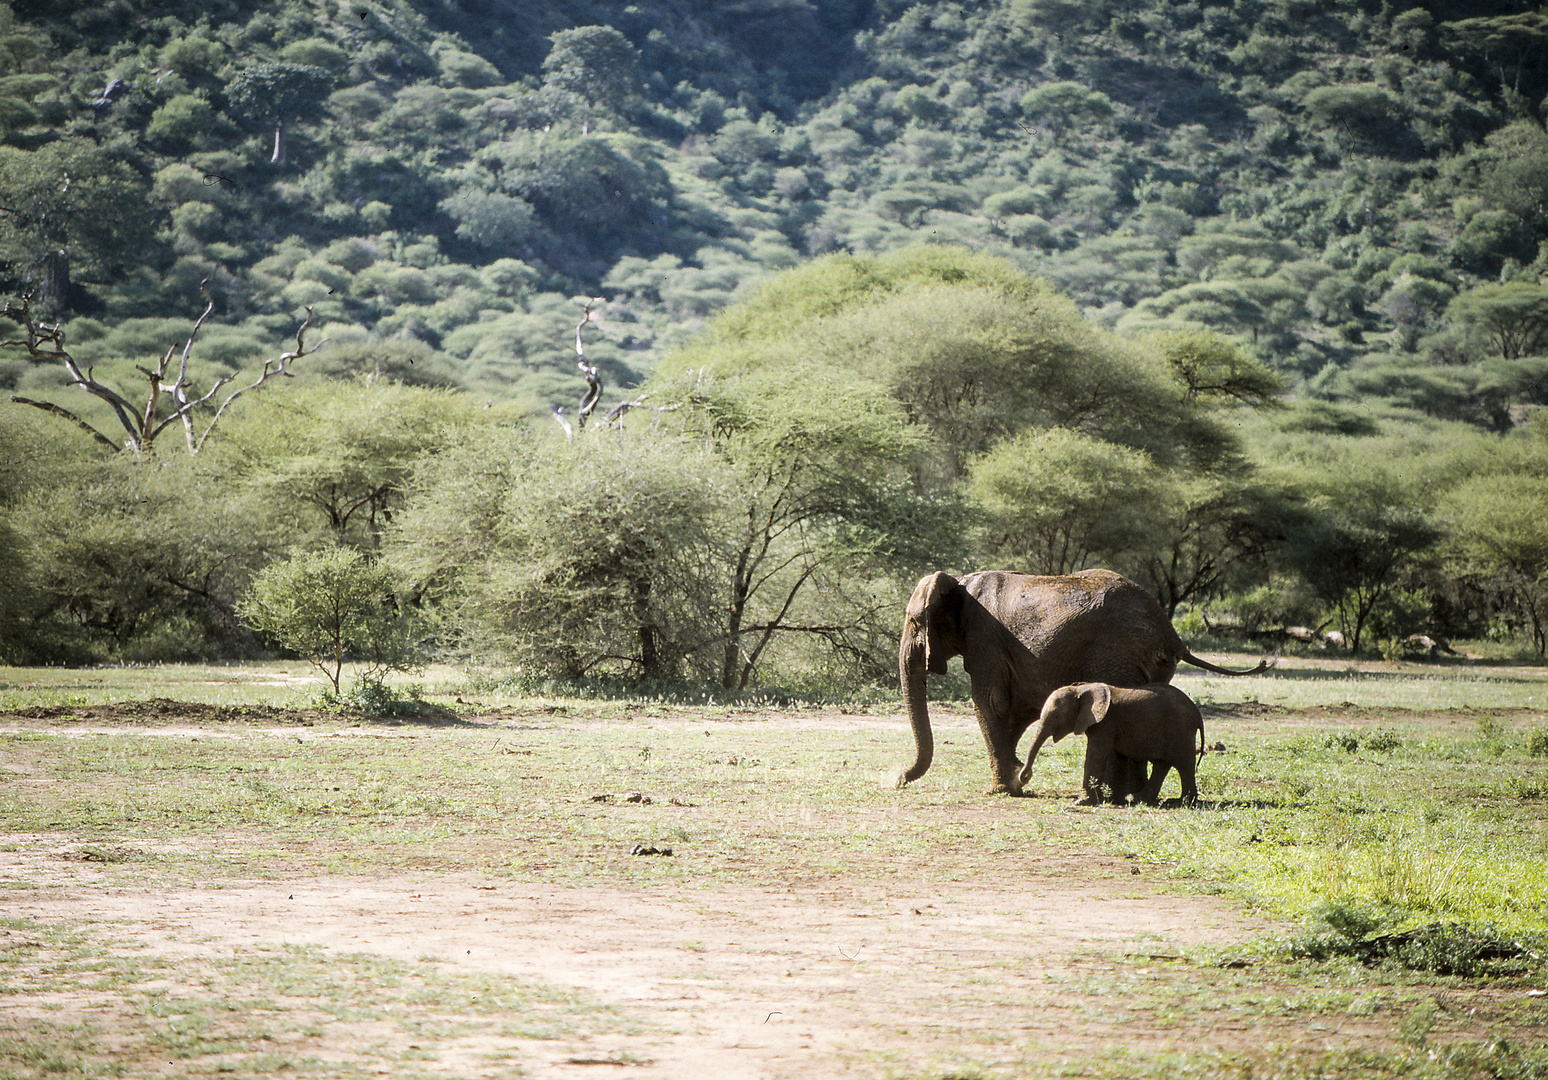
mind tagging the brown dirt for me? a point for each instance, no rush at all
(1037, 958)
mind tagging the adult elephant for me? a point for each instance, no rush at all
(1021, 636)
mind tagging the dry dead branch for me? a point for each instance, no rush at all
(593, 394)
(143, 424)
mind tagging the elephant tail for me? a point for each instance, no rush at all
(1263, 665)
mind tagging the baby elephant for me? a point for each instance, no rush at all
(1124, 729)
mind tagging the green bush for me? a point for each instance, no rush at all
(1383, 740)
(330, 607)
(1348, 928)
(181, 120)
(1343, 740)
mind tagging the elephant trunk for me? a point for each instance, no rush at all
(911, 673)
(1039, 735)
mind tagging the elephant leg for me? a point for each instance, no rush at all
(1186, 773)
(994, 721)
(1102, 777)
(1130, 777)
(1151, 793)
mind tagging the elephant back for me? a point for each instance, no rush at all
(1092, 626)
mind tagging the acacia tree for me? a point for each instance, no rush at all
(1210, 526)
(1056, 501)
(1216, 513)
(575, 557)
(1213, 369)
(816, 460)
(67, 209)
(1513, 315)
(1365, 531)
(131, 563)
(336, 458)
(274, 94)
(595, 63)
(330, 607)
(1509, 44)
(167, 401)
(1495, 540)
(699, 536)
(1499, 545)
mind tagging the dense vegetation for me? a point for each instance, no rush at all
(1261, 277)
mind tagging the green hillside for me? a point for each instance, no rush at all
(1335, 207)
(1320, 179)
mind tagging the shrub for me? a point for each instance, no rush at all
(330, 606)
(181, 120)
(1383, 740)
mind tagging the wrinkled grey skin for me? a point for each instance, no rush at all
(1021, 636)
(1124, 729)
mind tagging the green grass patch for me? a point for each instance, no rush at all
(1440, 833)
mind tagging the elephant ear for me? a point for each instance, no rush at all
(927, 609)
(1094, 701)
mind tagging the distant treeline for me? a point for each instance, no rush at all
(761, 509)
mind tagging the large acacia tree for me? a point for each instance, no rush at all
(816, 463)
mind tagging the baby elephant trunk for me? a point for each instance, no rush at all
(1039, 735)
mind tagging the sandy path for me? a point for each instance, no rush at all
(755, 982)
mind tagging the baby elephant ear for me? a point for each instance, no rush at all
(1094, 700)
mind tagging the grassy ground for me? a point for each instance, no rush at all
(1384, 821)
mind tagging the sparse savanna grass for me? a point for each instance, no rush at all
(1351, 822)
(291, 684)
(264, 1010)
(1418, 1060)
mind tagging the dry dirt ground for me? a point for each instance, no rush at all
(1061, 966)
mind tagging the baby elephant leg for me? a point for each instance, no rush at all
(1150, 794)
(1130, 778)
(1185, 773)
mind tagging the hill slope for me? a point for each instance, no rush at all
(440, 180)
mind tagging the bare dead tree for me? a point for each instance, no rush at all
(167, 402)
(593, 394)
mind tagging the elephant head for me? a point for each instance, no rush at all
(1069, 710)
(932, 635)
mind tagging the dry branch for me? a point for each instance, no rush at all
(593, 394)
(142, 424)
